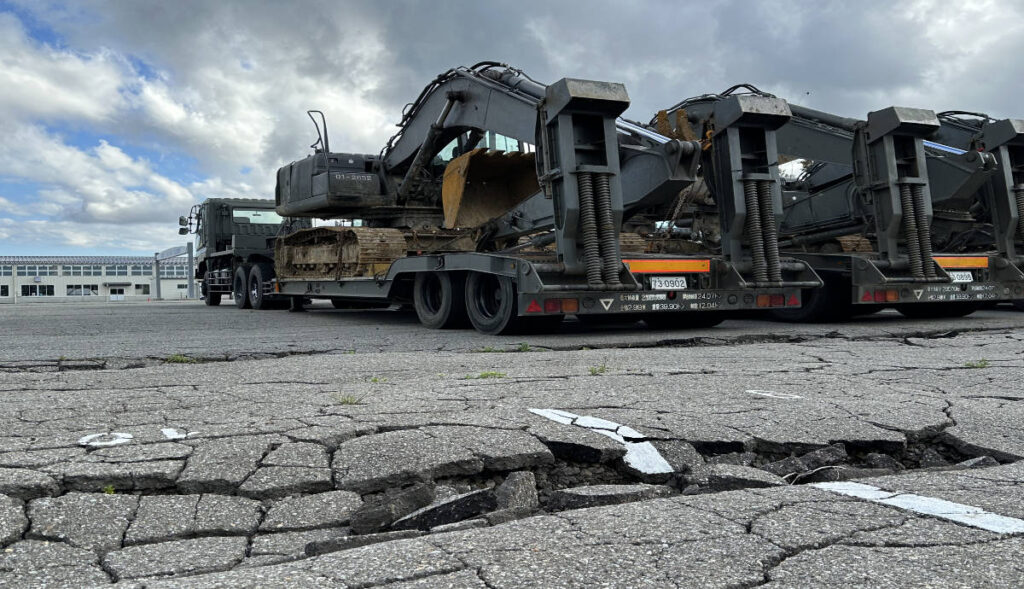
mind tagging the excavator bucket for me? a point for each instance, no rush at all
(483, 184)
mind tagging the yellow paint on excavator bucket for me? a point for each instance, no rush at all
(483, 184)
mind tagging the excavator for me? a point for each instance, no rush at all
(501, 202)
(885, 210)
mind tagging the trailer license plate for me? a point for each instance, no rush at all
(668, 282)
(961, 275)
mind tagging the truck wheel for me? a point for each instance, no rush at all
(258, 274)
(936, 310)
(239, 287)
(491, 303)
(212, 299)
(439, 299)
(688, 320)
(1018, 304)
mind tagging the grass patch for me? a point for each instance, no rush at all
(983, 363)
(109, 490)
(347, 399)
(488, 374)
(180, 359)
(596, 370)
(378, 379)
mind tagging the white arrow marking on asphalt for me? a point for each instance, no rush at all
(958, 512)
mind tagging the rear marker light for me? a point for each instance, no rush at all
(764, 300)
(892, 295)
(570, 305)
(879, 296)
(553, 306)
(778, 300)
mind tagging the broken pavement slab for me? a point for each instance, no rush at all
(171, 517)
(323, 510)
(376, 462)
(26, 484)
(198, 555)
(729, 477)
(95, 521)
(598, 495)
(451, 510)
(377, 516)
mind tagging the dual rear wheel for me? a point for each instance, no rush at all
(487, 302)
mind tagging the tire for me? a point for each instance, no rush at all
(258, 274)
(211, 299)
(936, 310)
(1018, 304)
(491, 303)
(240, 287)
(439, 300)
(830, 302)
(688, 320)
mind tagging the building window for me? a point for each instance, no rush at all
(37, 290)
(5, 270)
(142, 289)
(83, 271)
(182, 286)
(118, 270)
(178, 271)
(143, 270)
(117, 291)
(83, 290)
(33, 270)
(4, 291)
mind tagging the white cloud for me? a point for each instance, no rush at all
(37, 80)
(102, 184)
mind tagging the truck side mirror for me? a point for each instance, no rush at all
(183, 222)
(183, 231)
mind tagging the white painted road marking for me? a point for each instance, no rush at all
(957, 512)
(172, 434)
(773, 394)
(96, 439)
(641, 456)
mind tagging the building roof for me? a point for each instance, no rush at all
(86, 260)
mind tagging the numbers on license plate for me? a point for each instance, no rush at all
(668, 282)
(961, 275)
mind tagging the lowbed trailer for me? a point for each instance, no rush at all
(500, 204)
(885, 216)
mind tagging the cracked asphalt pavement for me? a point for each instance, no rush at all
(175, 445)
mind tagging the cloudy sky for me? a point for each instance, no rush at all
(118, 116)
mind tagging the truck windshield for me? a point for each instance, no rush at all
(253, 216)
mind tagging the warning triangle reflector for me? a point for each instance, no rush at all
(792, 302)
(867, 298)
(533, 307)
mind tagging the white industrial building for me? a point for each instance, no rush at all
(52, 279)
